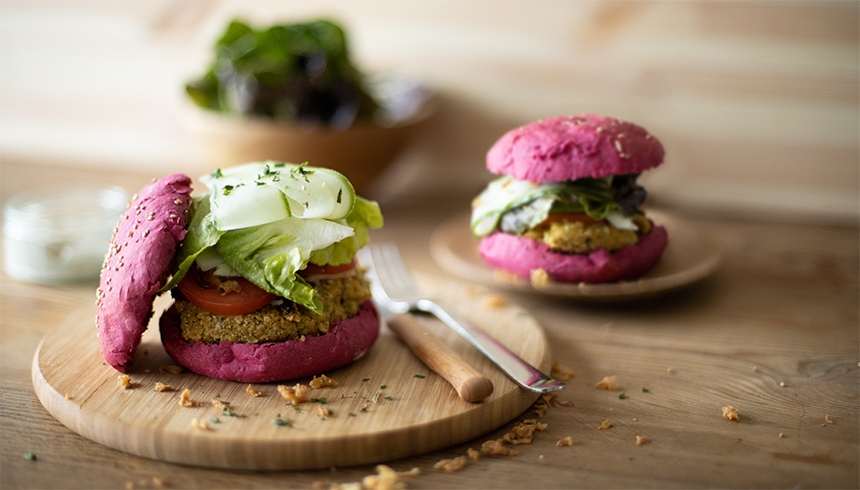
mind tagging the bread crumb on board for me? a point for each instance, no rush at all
(323, 412)
(295, 395)
(160, 387)
(473, 454)
(185, 399)
(731, 413)
(170, 369)
(828, 419)
(124, 381)
(604, 425)
(567, 441)
(251, 391)
(641, 440)
(323, 382)
(608, 383)
(200, 424)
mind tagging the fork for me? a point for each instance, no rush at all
(394, 287)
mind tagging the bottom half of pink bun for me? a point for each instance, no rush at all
(345, 341)
(520, 256)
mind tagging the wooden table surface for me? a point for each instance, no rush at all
(773, 333)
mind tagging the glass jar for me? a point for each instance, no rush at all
(57, 235)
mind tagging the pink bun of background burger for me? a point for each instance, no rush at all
(141, 256)
(561, 152)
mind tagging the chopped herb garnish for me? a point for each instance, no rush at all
(383, 387)
(227, 190)
(284, 422)
(280, 164)
(259, 183)
(622, 396)
(297, 408)
(365, 379)
(301, 171)
(30, 456)
(645, 390)
(351, 414)
(218, 395)
(389, 398)
(217, 174)
(321, 401)
(339, 195)
(420, 376)
(215, 420)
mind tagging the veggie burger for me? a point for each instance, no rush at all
(261, 270)
(568, 203)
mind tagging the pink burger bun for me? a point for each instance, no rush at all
(568, 148)
(346, 341)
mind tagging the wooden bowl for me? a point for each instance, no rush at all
(361, 152)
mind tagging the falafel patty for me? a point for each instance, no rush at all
(578, 237)
(278, 321)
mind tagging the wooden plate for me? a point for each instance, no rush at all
(689, 257)
(388, 405)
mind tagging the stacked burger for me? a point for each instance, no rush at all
(261, 269)
(568, 207)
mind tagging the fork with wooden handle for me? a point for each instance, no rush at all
(471, 384)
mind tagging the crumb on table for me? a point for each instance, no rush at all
(251, 391)
(561, 372)
(608, 383)
(495, 447)
(567, 441)
(604, 425)
(451, 465)
(731, 413)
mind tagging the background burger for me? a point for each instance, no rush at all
(261, 269)
(568, 203)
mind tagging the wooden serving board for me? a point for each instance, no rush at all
(388, 404)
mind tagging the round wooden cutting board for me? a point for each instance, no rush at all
(388, 404)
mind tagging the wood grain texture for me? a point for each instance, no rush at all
(387, 405)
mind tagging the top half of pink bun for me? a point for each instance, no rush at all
(572, 147)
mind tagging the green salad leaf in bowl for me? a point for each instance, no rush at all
(286, 72)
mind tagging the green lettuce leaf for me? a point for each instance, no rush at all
(202, 234)
(365, 214)
(270, 255)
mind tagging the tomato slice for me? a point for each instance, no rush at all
(223, 295)
(569, 216)
(313, 270)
